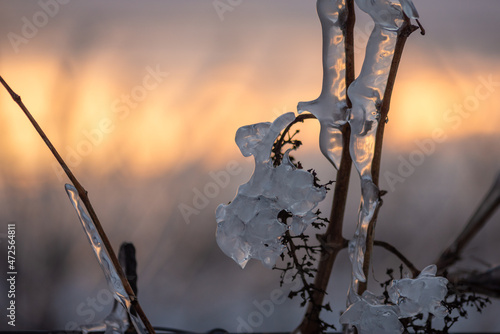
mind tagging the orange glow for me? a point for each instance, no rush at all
(186, 121)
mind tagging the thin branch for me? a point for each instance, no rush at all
(85, 199)
(485, 210)
(387, 246)
(485, 283)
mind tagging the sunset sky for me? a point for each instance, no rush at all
(135, 92)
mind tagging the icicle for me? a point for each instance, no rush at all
(107, 267)
(366, 94)
(330, 107)
(249, 226)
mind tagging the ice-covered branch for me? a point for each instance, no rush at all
(82, 193)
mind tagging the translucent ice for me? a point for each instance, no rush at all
(112, 325)
(366, 94)
(370, 316)
(249, 227)
(420, 295)
(330, 107)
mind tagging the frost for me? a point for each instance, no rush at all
(249, 227)
(113, 323)
(369, 315)
(421, 295)
(330, 107)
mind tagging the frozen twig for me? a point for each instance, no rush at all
(85, 199)
(487, 207)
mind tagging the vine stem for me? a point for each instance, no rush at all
(86, 201)
(333, 237)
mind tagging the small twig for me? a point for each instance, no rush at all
(487, 207)
(280, 142)
(399, 255)
(85, 199)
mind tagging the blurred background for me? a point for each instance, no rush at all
(143, 100)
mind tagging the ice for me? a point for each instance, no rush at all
(370, 316)
(423, 294)
(249, 227)
(420, 295)
(111, 324)
(330, 107)
(366, 94)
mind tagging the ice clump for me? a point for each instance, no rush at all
(370, 316)
(113, 323)
(423, 294)
(420, 295)
(249, 227)
(330, 107)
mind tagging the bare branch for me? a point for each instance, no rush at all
(487, 207)
(86, 201)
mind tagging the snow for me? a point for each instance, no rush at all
(249, 227)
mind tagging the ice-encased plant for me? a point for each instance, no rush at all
(424, 294)
(250, 226)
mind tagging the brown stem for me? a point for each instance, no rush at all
(333, 236)
(85, 200)
(487, 207)
(390, 248)
(403, 35)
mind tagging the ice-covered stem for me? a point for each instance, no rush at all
(85, 200)
(487, 207)
(405, 31)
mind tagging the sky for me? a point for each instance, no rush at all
(143, 101)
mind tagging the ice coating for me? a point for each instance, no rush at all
(110, 272)
(366, 94)
(249, 227)
(420, 295)
(330, 107)
(369, 315)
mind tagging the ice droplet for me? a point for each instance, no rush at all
(249, 227)
(330, 107)
(107, 267)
